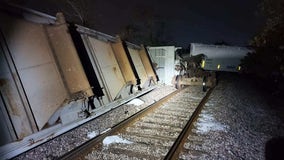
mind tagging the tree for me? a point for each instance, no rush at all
(272, 34)
(146, 27)
(267, 60)
(129, 32)
(79, 9)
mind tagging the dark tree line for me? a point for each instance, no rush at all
(146, 28)
(267, 60)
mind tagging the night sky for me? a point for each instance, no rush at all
(201, 21)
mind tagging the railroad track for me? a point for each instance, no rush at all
(157, 132)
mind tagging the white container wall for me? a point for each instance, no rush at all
(164, 57)
(220, 57)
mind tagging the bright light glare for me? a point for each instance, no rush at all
(239, 68)
(203, 64)
(219, 66)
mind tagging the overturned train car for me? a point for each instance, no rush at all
(219, 57)
(49, 68)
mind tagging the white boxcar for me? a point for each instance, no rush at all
(164, 57)
(219, 57)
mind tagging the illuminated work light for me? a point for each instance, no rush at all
(203, 64)
(219, 66)
(239, 68)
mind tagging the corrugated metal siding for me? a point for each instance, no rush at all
(164, 56)
(158, 56)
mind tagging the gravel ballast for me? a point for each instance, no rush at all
(237, 122)
(64, 143)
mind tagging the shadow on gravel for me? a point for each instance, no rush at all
(274, 149)
(272, 93)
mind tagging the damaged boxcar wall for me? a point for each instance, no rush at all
(104, 63)
(131, 62)
(67, 59)
(148, 65)
(46, 69)
(33, 60)
(139, 67)
(86, 62)
(16, 119)
(40, 72)
(123, 61)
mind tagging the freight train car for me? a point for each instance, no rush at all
(37, 76)
(52, 72)
(219, 57)
(120, 66)
(164, 58)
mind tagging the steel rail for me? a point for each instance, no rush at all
(77, 152)
(178, 144)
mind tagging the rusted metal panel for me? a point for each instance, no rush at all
(112, 74)
(68, 60)
(158, 58)
(134, 53)
(36, 66)
(147, 64)
(123, 62)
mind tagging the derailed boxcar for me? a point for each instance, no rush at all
(164, 59)
(120, 65)
(51, 70)
(219, 57)
(40, 68)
